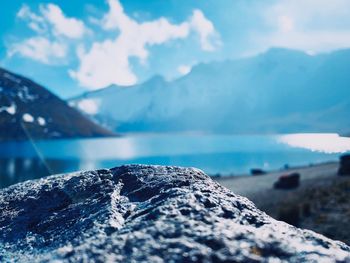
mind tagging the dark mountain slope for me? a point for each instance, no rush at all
(28, 110)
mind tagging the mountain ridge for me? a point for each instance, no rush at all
(239, 96)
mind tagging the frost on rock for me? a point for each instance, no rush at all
(140, 213)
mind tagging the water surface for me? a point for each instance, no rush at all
(224, 154)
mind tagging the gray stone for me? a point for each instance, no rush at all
(143, 213)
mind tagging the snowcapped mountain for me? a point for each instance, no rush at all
(280, 90)
(28, 110)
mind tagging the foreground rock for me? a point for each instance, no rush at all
(150, 214)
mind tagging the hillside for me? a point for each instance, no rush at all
(278, 91)
(28, 110)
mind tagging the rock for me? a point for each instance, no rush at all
(257, 171)
(344, 168)
(141, 213)
(287, 181)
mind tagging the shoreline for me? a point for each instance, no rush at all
(273, 171)
(242, 184)
(319, 203)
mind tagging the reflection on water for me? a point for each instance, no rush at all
(13, 170)
(327, 143)
(225, 154)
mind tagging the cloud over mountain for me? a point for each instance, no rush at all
(104, 60)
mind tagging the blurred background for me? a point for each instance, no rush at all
(235, 88)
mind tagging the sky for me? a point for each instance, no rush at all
(76, 46)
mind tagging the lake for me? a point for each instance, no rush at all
(215, 154)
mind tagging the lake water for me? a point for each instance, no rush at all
(224, 154)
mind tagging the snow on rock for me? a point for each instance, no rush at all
(27, 117)
(9, 109)
(140, 213)
(41, 121)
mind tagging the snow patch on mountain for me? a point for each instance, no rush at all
(9, 109)
(41, 121)
(12, 77)
(89, 106)
(25, 96)
(28, 118)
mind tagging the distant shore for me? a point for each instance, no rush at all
(320, 203)
(242, 184)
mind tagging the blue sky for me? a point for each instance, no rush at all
(75, 46)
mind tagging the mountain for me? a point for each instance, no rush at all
(278, 91)
(28, 110)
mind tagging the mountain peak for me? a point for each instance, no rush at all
(281, 90)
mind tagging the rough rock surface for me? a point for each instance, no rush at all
(142, 213)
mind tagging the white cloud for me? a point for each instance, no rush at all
(206, 31)
(65, 26)
(311, 42)
(285, 23)
(184, 69)
(116, 18)
(40, 49)
(313, 26)
(89, 106)
(53, 29)
(35, 22)
(107, 62)
(51, 15)
(104, 64)
(311, 10)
